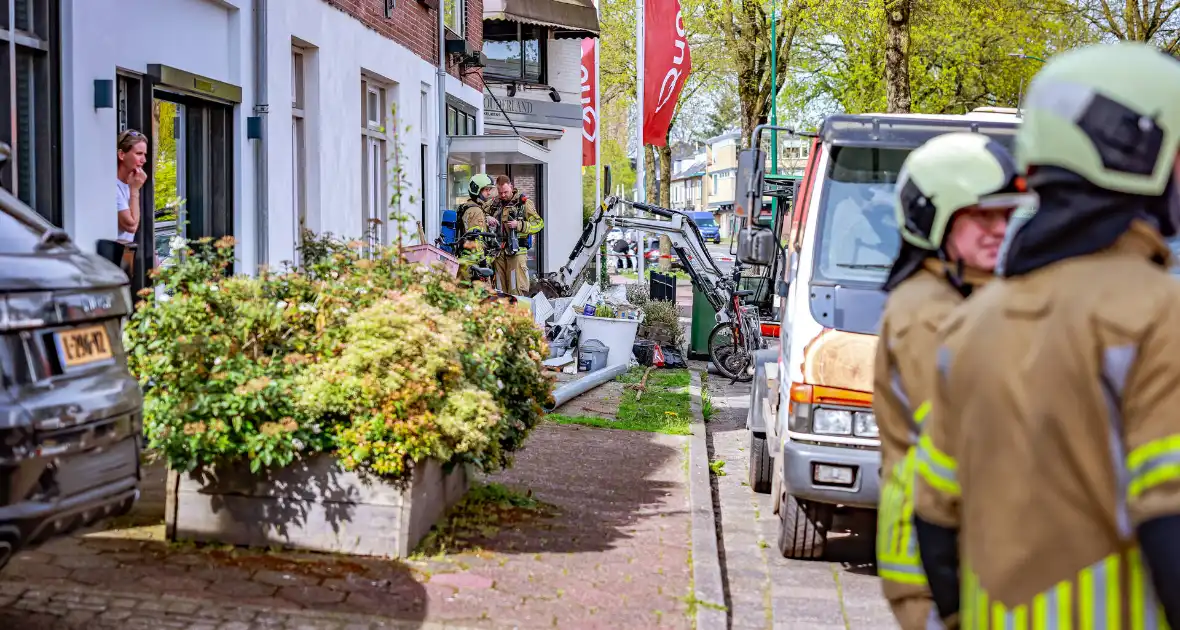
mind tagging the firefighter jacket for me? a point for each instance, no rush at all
(522, 209)
(1054, 432)
(903, 374)
(473, 217)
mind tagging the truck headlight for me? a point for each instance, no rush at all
(864, 424)
(832, 422)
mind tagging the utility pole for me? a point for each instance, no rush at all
(773, 109)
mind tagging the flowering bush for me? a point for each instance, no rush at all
(355, 353)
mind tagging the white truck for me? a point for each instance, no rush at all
(813, 436)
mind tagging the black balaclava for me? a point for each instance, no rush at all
(1076, 218)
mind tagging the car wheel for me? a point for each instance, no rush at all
(803, 528)
(760, 464)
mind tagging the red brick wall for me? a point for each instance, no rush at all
(415, 26)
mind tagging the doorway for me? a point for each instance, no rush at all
(189, 191)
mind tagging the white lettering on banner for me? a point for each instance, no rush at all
(589, 116)
(668, 87)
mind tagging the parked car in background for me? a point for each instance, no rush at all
(707, 225)
(70, 411)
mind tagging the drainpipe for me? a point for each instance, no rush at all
(441, 88)
(261, 109)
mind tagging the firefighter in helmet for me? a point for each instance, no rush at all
(472, 213)
(1048, 489)
(519, 223)
(953, 199)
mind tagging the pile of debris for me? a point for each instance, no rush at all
(594, 330)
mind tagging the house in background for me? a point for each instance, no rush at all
(688, 182)
(250, 137)
(721, 178)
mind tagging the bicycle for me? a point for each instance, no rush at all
(732, 343)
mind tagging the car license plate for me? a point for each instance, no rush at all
(83, 346)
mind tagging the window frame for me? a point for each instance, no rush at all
(38, 48)
(460, 14)
(373, 138)
(542, 53)
(299, 139)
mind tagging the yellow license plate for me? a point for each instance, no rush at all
(82, 346)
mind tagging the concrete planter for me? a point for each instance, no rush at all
(313, 505)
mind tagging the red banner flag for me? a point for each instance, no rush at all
(589, 103)
(666, 64)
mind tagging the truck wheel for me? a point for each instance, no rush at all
(760, 463)
(803, 528)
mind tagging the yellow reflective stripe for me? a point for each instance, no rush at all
(1139, 603)
(897, 546)
(937, 468)
(1152, 464)
(922, 412)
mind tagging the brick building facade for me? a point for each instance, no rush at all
(414, 24)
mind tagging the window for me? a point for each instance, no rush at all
(373, 161)
(515, 51)
(390, 5)
(459, 122)
(298, 143)
(716, 181)
(455, 16)
(31, 103)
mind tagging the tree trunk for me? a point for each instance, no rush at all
(665, 153)
(897, 56)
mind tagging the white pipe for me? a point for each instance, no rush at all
(641, 161)
(570, 391)
(261, 109)
(433, 223)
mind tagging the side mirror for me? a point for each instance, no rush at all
(747, 199)
(606, 181)
(756, 246)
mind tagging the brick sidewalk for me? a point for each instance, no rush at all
(615, 556)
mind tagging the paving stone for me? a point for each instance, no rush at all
(279, 578)
(242, 589)
(311, 595)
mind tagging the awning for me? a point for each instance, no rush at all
(569, 18)
(472, 150)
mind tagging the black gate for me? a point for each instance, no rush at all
(663, 287)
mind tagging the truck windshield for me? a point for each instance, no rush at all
(705, 222)
(857, 232)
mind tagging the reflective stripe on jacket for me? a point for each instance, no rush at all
(903, 374)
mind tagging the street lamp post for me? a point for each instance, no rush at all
(773, 107)
(1020, 97)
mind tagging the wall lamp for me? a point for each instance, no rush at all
(104, 93)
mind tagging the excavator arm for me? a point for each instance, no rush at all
(687, 244)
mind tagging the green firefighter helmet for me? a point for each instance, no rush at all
(952, 172)
(1109, 113)
(479, 181)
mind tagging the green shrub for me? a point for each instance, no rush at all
(356, 353)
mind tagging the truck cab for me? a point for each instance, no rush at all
(813, 435)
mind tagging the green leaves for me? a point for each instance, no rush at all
(357, 353)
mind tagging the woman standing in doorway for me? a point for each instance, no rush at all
(132, 154)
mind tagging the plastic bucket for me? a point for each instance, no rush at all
(592, 355)
(617, 334)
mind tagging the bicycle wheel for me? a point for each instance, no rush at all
(730, 359)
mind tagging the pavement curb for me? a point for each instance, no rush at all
(708, 589)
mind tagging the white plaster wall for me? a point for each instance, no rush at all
(206, 37)
(563, 192)
(343, 48)
(214, 38)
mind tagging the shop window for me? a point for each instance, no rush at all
(460, 122)
(298, 141)
(455, 16)
(515, 51)
(373, 161)
(30, 101)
